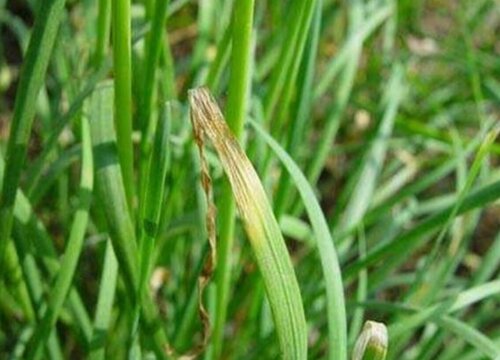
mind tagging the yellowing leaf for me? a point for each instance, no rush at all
(259, 222)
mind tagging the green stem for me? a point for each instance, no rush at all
(301, 12)
(239, 89)
(302, 110)
(122, 58)
(32, 78)
(69, 261)
(147, 122)
(104, 307)
(103, 28)
(154, 46)
(153, 196)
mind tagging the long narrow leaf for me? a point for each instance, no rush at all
(259, 222)
(73, 249)
(331, 269)
(109, 185)
(37, 59)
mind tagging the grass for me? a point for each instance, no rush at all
(122, 67)
(344, 205)
(260, 225)
(34, 69)
(237, 108)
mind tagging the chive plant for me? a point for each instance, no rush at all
(240, 179)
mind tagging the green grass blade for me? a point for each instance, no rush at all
(361, 290)
(490, 263)
(475, 294)
(373, 159)
(300, 15)
(429, 178)
(74, 247)
(462, 300)
(323, 148)
(472, 336)
(303, 108)
(16, 281)
(33, 75)
(36, 170)
(290, 78)
(103, 31)
(109, 185)
(32, 279)
(57, 168)
(102, 318)
(237, 107)
(111, 194)
(154, 194)
(122, 64)
(337, 323)
(221, 59)
(357, 37)
(207, 17)
(28, 226)
(437, 250)
(153, 51)
(439, 316)
(407, 241)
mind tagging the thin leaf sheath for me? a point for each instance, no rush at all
(259, 223)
